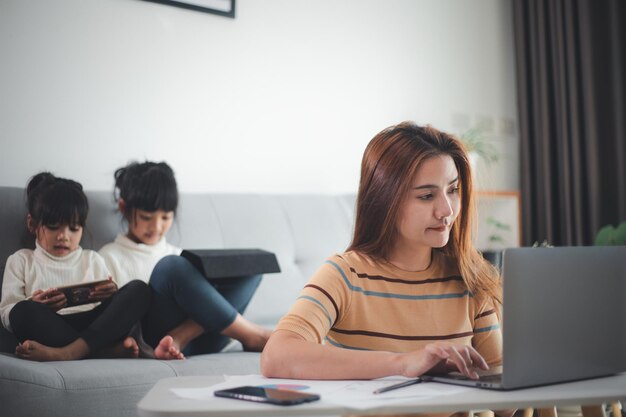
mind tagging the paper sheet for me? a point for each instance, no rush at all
(351, 394)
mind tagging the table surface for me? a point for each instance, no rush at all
(162, 402)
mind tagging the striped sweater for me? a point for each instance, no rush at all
(356, 303)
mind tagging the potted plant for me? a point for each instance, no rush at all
(609, 235)
(497, 240)
(478, 147)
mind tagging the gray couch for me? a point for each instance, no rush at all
(302, 230)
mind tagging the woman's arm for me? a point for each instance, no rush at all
(288, 355)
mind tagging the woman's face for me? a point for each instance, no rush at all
(149, 227)
(431, 206)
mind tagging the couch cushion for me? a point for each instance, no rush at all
(33, 388)
(196, 225)
(258, 221)
(106, 387)
(320, 227)
(12, 224)
(103, 221)
(230, 363)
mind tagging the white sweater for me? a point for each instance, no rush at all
(30, 270)
(128, 260)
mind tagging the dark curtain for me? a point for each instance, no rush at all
(571, 73)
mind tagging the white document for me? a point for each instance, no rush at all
(355, 394)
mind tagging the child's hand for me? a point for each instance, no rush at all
(53, 298)
(103, 291)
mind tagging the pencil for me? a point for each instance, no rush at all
(396, 386)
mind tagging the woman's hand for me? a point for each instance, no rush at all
(103, 291)
(443, 357)
(52, 298)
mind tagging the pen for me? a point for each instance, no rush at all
(396, 386)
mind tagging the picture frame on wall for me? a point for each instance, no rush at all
(220, 7)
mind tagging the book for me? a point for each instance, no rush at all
(77, 294)
(228, 263)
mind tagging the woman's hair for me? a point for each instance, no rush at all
(148, 186)
(388, 169)
(52, 201)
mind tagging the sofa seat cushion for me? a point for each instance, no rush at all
(109, 387)
(229, 363)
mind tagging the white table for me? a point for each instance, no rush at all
(161, 402)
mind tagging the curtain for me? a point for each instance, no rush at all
(571, 75)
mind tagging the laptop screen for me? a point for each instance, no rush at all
(564, 314)
(564, 317)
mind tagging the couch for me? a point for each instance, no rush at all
(302, 230)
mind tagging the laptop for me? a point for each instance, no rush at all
(563, 317)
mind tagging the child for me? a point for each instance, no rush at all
(187, 311)
(36, 311)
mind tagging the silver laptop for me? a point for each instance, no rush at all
(563, 319)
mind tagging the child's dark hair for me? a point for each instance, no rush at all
(148, 186)
(55, 201)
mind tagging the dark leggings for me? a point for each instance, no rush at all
(103, 326)
(180, 291)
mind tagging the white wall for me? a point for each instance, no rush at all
(283, 98)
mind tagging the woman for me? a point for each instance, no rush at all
(411, 294)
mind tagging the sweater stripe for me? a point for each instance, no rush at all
(486, 313)
(402, 337)
(323, 291)
(406, 281)
(392, 295)
(487, 329)
(337, 344)
(306, 297)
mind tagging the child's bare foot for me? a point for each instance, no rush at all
(127, 348)
(35, 351)
(256, 341)
(130, 347)
(252, 336)
(167, 349)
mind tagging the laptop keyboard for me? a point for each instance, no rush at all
(491, 378)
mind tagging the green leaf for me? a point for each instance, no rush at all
(605, 236)
(475, 141)
(497, 224)
(620, 234)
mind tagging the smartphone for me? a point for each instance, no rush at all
(267, 395)
(77, 294)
